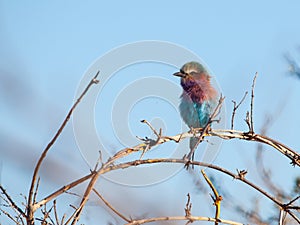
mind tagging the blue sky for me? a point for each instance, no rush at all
(46, 48)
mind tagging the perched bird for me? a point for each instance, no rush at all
(198, 99)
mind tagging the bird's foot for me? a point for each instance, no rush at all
(188, 158)
(193, 131)
(187, 164)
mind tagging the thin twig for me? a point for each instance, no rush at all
(235, 107)
(98, 161)
(46, 214)
(217, 199)
(12, 203)
(149, 142)
(111, 207)
(63, 219)
(151, 127)
(30, 203)
(8, 205)
(252, 104)
(55, 212)
(10, 217)
(293, 216)
(292, 201)
(188, 206)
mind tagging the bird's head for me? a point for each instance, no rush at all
(194, 79)
(195, 82)
(192, 69)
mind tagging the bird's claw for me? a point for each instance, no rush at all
(187, 164)
(193, 131)
(188, 161)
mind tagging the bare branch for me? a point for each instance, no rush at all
(60, 191)
(98, 161)
(95, 175)
(30, 203)
(292, 201)
(36, 190)
(55, 212)
(151, 127)
(281, 217)
(12, 203)
(10, 216)
(188, 206)
(288, 152)
(149, 141)
(190, 156)
(110, 164)
(224, 134)
(190, 218)
(217, 199)
(184, 161)
(235, 107)
(252, 104)
(110, 206)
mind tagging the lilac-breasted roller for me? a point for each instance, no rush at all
(199, 98)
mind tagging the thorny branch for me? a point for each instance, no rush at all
(221, 133)
(225, 134)
(147, 144)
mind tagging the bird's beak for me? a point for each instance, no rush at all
(179, 74)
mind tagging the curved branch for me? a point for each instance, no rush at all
(217, 199)
(149, 143)
(60, 191)
(30, 203)
(110, 206)
(248, 136)
(188, 218)
(221, 133)
(196, 163)
(184, 161)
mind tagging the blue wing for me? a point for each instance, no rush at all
(203, 110)
(195, 115)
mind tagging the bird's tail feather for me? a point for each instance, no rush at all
(193, 143)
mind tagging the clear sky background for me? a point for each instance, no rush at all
(45, 49)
